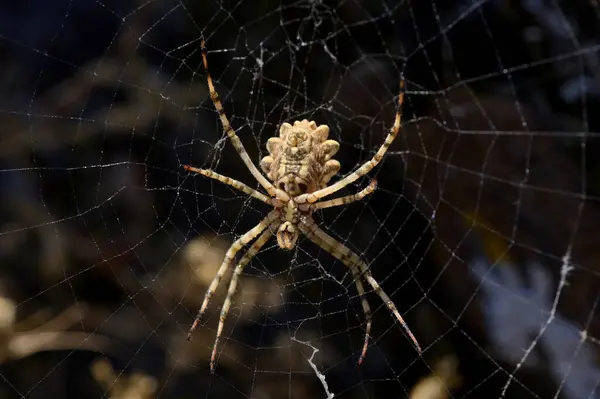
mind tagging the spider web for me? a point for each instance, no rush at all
(483, 229)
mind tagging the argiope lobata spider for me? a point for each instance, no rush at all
(299, 166)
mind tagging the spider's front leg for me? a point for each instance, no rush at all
(310, 229)
(330, 245)
(256, 246)
(229, 257)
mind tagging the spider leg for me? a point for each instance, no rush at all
(229, 257)
(348, 198)
(350, 259)
(366, 167)
(330, 245)
(256, 246)
(231, 182)
(235, 140)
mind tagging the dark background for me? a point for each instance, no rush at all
(102, 232)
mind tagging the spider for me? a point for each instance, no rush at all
(299, 167)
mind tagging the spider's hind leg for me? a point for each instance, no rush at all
(364, 168)
(230, 182)
(348, 199)
(235, 140)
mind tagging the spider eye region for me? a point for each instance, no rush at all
(287, 235)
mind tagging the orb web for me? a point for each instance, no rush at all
(482, 229)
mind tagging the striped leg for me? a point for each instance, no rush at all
(235, 140)
(350, 259)
(258, 244)
(229, 257)
(366, 167)
(231, 182)
(348, 198)
(330, 246)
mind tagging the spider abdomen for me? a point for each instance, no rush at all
(299, 160)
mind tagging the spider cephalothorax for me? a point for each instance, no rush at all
(299, 160)
(299, 167)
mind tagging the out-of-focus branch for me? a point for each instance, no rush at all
(123, 386)
(50, 336)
